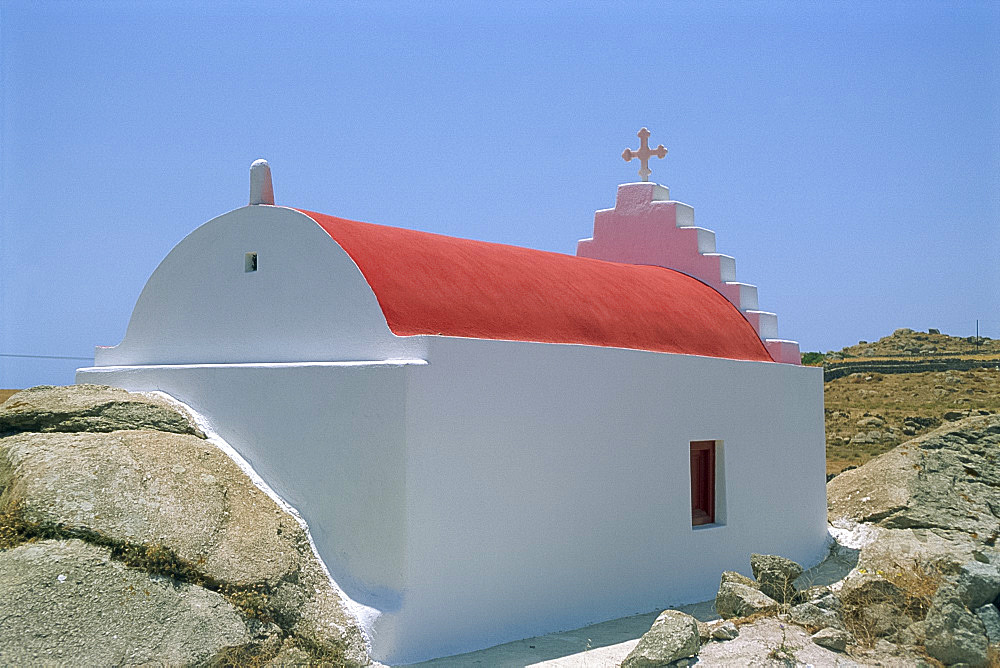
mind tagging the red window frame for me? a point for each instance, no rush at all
(702, 482)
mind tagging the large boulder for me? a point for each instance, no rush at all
(69, 602)
(153, 487)
(165, 499)
(673, 636)
(93, 408)
(740, 600)
(944, 480)
(775, 575)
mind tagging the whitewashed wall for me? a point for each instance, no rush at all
(508, 489)
(306, 302)
(555, 482)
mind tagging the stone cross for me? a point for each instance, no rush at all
(644, 153)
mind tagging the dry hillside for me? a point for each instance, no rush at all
(868, 413)
(907, 344)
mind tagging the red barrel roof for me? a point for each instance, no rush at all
(433, 284)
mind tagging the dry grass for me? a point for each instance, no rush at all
(855, 405)
(6, 394)
(878, 614)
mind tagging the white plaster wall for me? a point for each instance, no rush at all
(509, 489)
(307, 301)
(328, 438)
(504, 489)
(548, 486)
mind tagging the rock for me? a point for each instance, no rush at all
(704, 631)
(954, 634)
(867, 588)
(944, 480)
(813, 616)
(760, 641)
(827, 601)
(739, 600)
(920, 421)
(126, 485)
(177, 495)
(870, 422)
(738, 578)
(897, 550)
(775, 575)
(913, 635)
(93, 408)
(725, 631)
(69, 602)
(978, 584)
(880, 619)
(832, 638)
(951, 416)
(875, 604)
(990, 618)
(673, 636)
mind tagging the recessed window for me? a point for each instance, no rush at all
(702, 482)
(250, 262)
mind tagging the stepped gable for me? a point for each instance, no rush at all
(646, 227)
(433, 284)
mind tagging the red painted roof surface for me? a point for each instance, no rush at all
(433, 284)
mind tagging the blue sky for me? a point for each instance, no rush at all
(847, 154)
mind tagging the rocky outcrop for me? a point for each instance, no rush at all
(772, 642)
(673, 636)
(129, 479)
(946, 480)
(71, 602)
(143, 486)
(926, 518)
(90, 408)
(921, 522)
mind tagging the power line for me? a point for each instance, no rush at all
(46, 357)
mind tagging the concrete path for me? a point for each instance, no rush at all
(602, 645)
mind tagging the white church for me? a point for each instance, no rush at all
(491, 442)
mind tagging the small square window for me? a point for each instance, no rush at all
(250, 262)
(702, 482)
